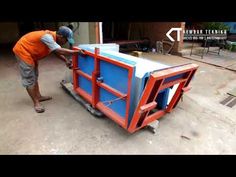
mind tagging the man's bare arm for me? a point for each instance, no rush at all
(64, 51)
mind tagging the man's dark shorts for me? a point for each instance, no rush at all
(29, 74)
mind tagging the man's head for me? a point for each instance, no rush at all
(64, 34)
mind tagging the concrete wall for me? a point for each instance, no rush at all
(92, 32)
(82, 35)
(9, 33)
(84, 32)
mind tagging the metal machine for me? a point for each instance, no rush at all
(132, 91)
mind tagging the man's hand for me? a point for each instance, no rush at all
(82, 52)
(69, 64)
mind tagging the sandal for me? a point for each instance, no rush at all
(39, 109)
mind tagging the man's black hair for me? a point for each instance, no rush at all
(70, 26)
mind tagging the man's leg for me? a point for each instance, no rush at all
(41, 98)
(29, 79)
(32, 91)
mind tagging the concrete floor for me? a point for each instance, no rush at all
(67, 128)
(225, 59)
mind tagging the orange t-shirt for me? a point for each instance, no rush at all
(30, 48)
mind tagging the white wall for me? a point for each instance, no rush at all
(82, 35)
(92, 32)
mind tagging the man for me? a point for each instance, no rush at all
(35, 46)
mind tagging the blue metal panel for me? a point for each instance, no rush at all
(114, 76)
(86, 64)
(162, 98)
(179, 76)
(85, 84)
(118, 58)
(117, 77)
(118, 106)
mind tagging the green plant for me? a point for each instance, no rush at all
(215, 26)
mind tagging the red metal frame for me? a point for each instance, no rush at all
(155, 84)
(142, 115)
(95, 75)
(74, 67)
(94, 98)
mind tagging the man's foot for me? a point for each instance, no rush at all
(39, 108)
(44, 98)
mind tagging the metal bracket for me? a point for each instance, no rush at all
(152, 127)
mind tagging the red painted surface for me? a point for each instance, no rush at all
(143, 114)
(93, 99)
(154, 85)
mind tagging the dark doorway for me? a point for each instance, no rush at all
(25, 27)
(120, 33)
(114, 31)
(32, 26)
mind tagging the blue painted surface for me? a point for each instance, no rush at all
(86, 64)
(143, 83)
(114, 76)
(118, 106)
(162, 98)
(117, 78)
(169, 79)
(124, 60)
(85, 84)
